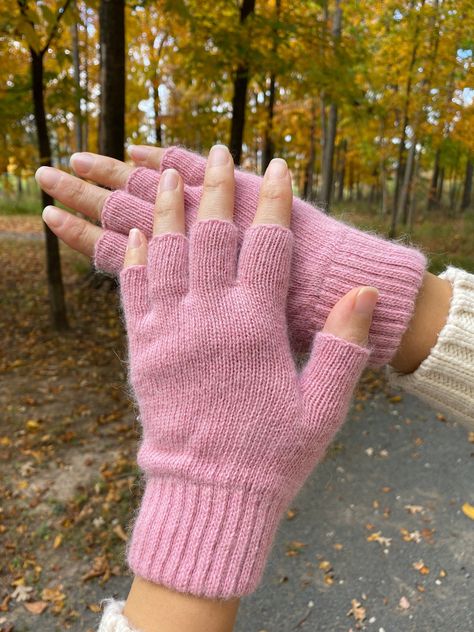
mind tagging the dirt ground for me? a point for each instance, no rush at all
(67, 439)
(349, 556)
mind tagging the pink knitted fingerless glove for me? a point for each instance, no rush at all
(230, 429)
(329, 259)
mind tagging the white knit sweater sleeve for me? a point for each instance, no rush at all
(445, 379)
(113, 619)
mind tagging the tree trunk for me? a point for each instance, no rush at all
(77, 80)
(467, 190)
(157, 113)
(269, 142)
(342, 171)
(330, 136)
(53, 259)
(269, 145)
(405, 189)
(86, 81)
(412, 202)
(112, 78)
(239, 99)
(309, 179)
(439, 192)
(432, 193)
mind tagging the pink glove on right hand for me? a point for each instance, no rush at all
(230, 429)
(329, 259)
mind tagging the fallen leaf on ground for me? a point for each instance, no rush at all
(468, 510)
(421, 567)
(404, 603)
(22, 593)
(357, 611)
(378, 537)
(36, 607)
(119, 532)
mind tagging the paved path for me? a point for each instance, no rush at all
(363, 490)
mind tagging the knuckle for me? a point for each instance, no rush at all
(215, 182)
(77, 230)
(75, 188)
(273, 191)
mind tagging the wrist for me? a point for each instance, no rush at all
(154, 608)
(431, 312)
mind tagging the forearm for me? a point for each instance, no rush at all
(153, 608)
(431, 312)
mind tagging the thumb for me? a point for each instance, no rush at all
(351, 317)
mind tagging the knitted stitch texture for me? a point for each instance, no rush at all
(230, 429)
(330, 257)
(446, 378)
(113, 619)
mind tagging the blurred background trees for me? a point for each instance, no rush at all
(370, 102)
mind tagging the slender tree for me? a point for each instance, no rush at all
(112, 78)
(330, 135)
(239, 99)
(37, 54)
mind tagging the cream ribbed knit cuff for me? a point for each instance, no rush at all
(113, 619)
(446, 378)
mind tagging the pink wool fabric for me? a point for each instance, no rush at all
(230, 428)
(330, 257)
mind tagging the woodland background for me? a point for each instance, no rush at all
(371, 104)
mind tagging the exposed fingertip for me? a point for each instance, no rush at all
(169, 180)
(53, 216)
(366, 300)
(136, 248)
(277, 169)
(82, 162)
(218, 156)
(139, 153)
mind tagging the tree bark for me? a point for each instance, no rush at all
(53, 259)
(78, 131)
(432, 193)
(309, 179)
(405, 189)
(269, 142)
(330, 136)
(342, 171)
(239, 99)
(112, 78)
(467, 190)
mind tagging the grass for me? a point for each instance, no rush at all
(446, 237)
(26, 204)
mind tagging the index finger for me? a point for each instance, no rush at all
(276, 195)
(107, 171)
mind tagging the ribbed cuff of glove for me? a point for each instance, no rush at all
(200, 539)
(445, 378)
(113, 619)
(329, 257)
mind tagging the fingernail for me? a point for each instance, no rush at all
(218, 156)
(82, 161)
(47, 176)
(53, 216)
(277, 169)
(138, 152)
(366, 299)
(169, 180)
(134, 239)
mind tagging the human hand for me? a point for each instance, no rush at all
(329, 257)
(230, 429)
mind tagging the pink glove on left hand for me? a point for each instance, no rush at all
(230, 429)
(329, 259)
